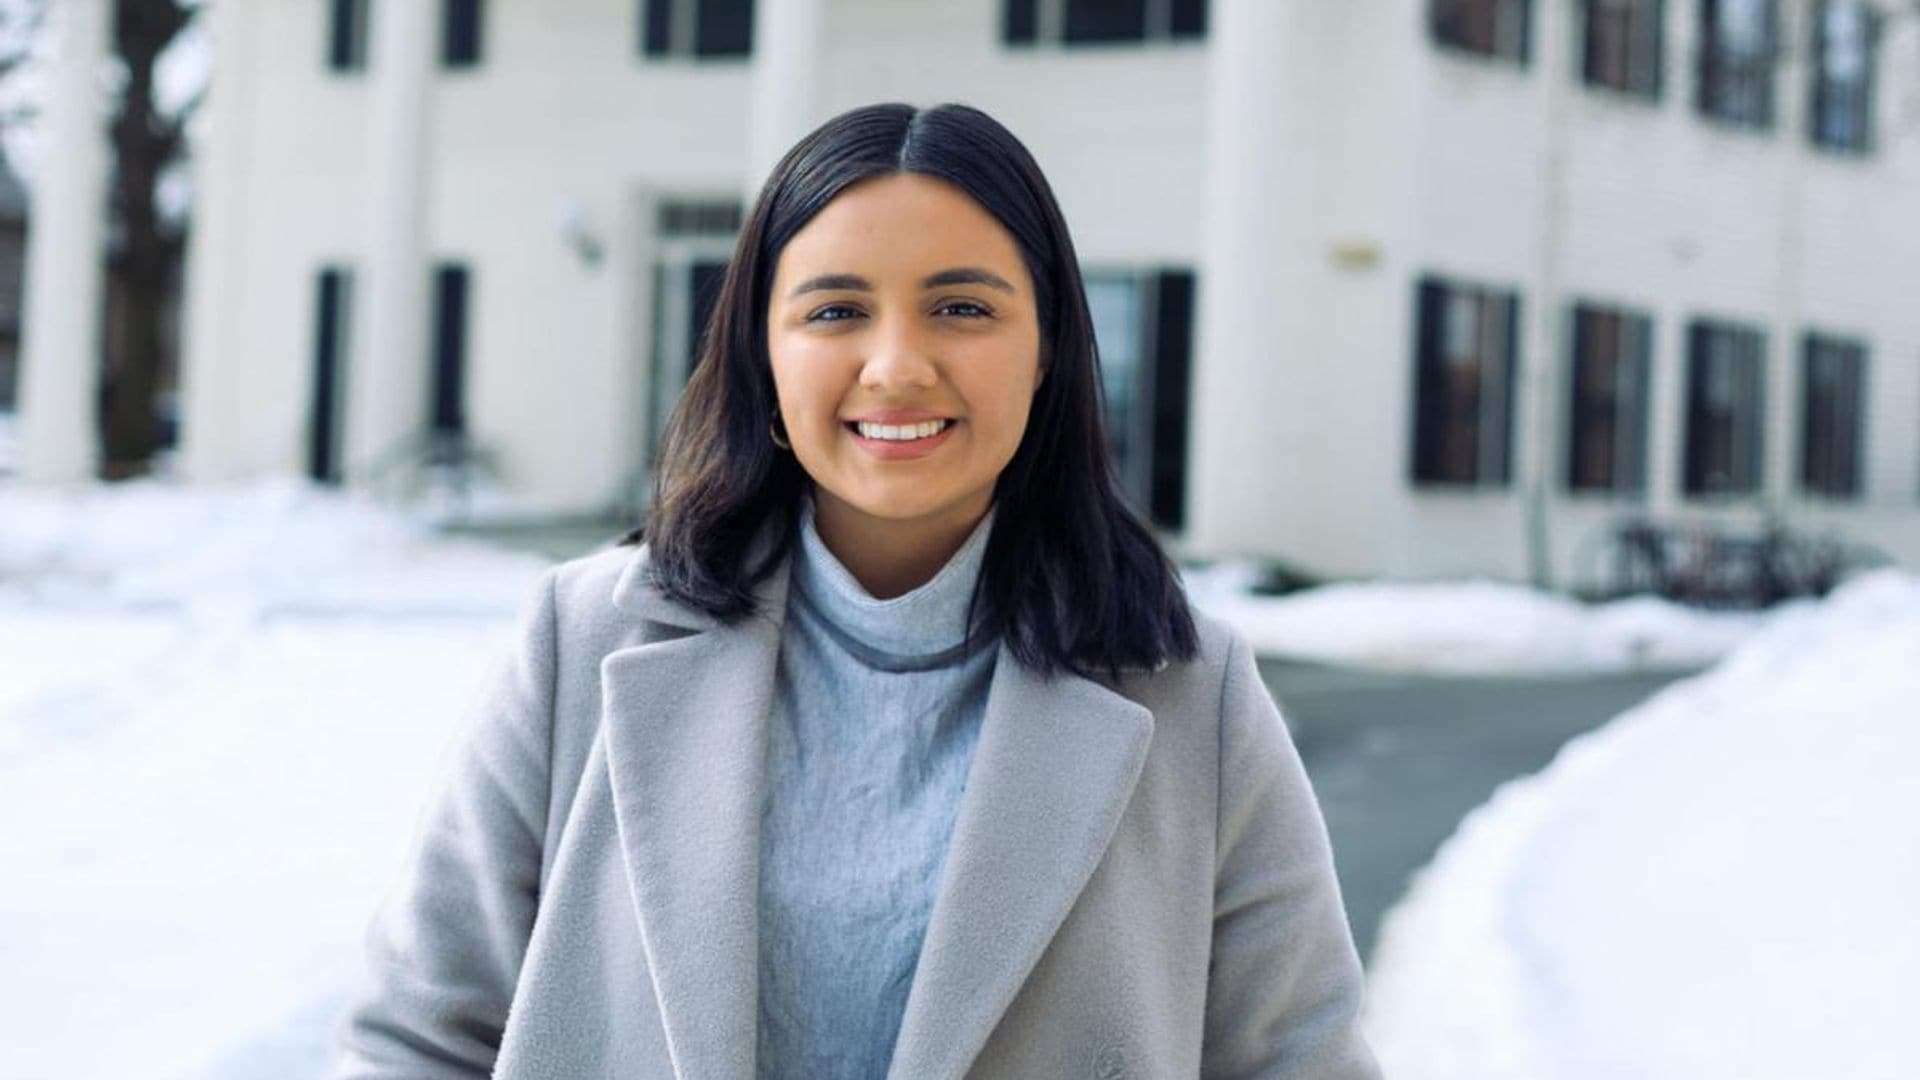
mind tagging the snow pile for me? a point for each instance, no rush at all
(220, 713)
(1466, 628)
(1720, 883)
(280, 546)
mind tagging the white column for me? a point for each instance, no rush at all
(786, 82)
(1250, 439)
(60, 353)
(1305, 289)
(212, 387)
(1540, 384)
(1779, 418)
(387, 378)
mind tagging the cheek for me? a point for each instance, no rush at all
(805, 383)
(1002, 405)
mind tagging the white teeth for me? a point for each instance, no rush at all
(904, 433)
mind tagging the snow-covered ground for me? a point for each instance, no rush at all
(219, 715)
(1724, 882)
(1467, 627)
(220, 711)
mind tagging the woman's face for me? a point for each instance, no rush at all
(905, 348)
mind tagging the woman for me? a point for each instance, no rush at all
(895, 751)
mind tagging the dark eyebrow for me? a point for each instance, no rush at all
(960, 275)
(967, 275)
(827, 282)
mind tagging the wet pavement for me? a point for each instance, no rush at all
(1397, 760)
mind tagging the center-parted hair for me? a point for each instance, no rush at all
(1072, 578)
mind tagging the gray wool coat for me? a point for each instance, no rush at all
(1138, 884)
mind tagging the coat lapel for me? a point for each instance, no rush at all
(686, 722)
(1052, 773)
(686, 716)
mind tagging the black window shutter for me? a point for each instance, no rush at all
(329, 347)
(1189, 19)
(1018, 22)
(1707, 58)
(1695, 461)
(460, 33)
(1428, 387)
(656, 27)
(450, 287)
(1172, 382)
(1814, 436)
(1096, 21)
(1754, 404)
(1577, 433)
(345, 35)
(1854, 421)
(723, 28)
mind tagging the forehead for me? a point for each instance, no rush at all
(905, 223)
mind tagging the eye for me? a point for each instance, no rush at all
(834, 313)
(967, 309)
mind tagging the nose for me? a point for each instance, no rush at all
(900, 360)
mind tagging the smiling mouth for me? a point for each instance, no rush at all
(899, 432)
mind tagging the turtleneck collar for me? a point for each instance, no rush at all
(921, 629)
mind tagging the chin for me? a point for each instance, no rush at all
(908, 504)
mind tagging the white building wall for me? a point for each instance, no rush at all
(1404, 160)
(1667, 212)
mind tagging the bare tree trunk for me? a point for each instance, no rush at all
(144, 251)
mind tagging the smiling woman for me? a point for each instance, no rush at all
(903, 267)
(893, 749)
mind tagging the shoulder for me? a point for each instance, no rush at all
(586, 600)
(584, 585)
(1197, 685)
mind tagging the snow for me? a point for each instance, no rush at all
(1720, 883)
(1473, 627)
(220, 713)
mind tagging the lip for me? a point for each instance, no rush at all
(894, 450)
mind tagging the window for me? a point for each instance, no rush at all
(1607, 448)
(347, 35)
(1737, 46)
(693, 239)
(460, 33)
(1143, 325)
(450, 287)
(1463, 383)
(1724, 380)
(1834, 373)
(696, 28)
(1623, 46)
(1100, 22)
(1488, 27)
(1844, 35)
(332, 310)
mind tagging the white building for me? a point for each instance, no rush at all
(1402, 287)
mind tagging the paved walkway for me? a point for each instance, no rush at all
(1398, 760)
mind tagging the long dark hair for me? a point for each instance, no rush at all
(1072, 578)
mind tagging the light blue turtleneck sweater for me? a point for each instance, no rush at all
(877, 707)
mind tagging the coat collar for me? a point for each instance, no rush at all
(686, 719)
